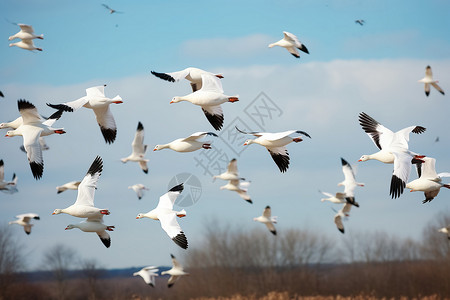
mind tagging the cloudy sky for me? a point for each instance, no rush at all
(351, 68)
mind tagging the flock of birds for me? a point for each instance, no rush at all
(208, 93)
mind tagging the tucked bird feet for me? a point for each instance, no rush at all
(206, 146)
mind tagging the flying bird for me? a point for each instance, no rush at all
(138, 189)
(112, 11)
(167, 216)
(429, 181)
(7, 186)
(96, 100)
(393, 149)
(26, 33)
(428, 79)
(235, 185)
(276, 143)
(84, 205)
(231, 173)
(138, 149)
(31, 129)
(148, 274)
(97, 226)
(175, 272)
(268, 220)
(193, 75)
(349, 182)
(187, 144)
(291, 43)
(72, 185)
(340, 215)
(337, 198)
(26, 44)
(445, 230)
(360, 22)
(209, 98)
(24, 220)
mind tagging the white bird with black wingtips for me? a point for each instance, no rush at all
(31, 129)
(84, 205)
(349, 182)
(148, 274)
(24, 220)
(235, 185)
(139, 149)
(193, 75)
(96, 100)
(165, 214)
(72, 185)
(26, 33)
(175, 272)
(291, 43)
(267, 219)
(342, 214)
(209, 98)
(428, 80)
(276, 143)
(337, 198)
(139, 189)
(97, 226)
(429, 181)
(187, 144)
(445, 230)
(9, 187)
(393, 149)
(231, 173)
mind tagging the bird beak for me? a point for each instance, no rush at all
(154, 149)
(137, 217)
(245, 144)
(171, 102)
(359, 160)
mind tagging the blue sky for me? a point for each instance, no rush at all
(351, 68)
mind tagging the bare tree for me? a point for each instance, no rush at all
(11, 260)
(59, 259)
(92, 273)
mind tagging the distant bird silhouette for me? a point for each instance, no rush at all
(112, 11)
(360, 22)
(428, 79)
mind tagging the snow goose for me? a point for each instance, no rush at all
(24, 220)
(138, 149)
(276, 143)
(429, 181)
(26, 44)
(97, 226)
(267, 219)
(428, 79)
(209, 98)
(340, 215)
(31, 129)
(291, 43)
(445, 230)
(84, 205)
(148, 274)
(239, 187)
(393, 149)
(231, 173)
(72, 185)
(175, 272)
(26, 33)
(337, 198)
(194, 75)
(139, 189)
(167, 216)
(8, 187)
(349, 182)
(96, 100)
(188, 144)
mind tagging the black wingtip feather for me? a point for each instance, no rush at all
(397, 187)
(419, 129)
(56, 115)
(62, 107)
(177, 188)
(295, 55)
(215, 120)
(1, 162)
(163, 76)
(281, 160)
(24, 104)
(109, 134)
(304, 49)
(106, 242)
(140, 127)
(344, 162)
(172, 256)
(37, 169)
(1, 95)
(274, 232)
(181, 240)
(341, 230)
(96, 166)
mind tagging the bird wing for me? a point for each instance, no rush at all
(428, 169)
(172, 280)
(349, 175)
(172, 228)
(379, 134)
(271, 227)
(255, 133)
(214, 114)
(291, 38)
(176, 264)
(267, 212)
(211, 83)
(197, 135)
(28, 112)
(280, 156)
(87, 187)
(138, 141)
(34, 151)
(26, 28)
(105, 238)
(173, 76)
(437, 87)
(232, 167)
(338, 222)
(402, 168)
(326, 194)
(2, 170)
(105, 120)
(280, 135)
(96, 92)
(167, 200)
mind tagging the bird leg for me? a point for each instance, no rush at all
(297, 140)
(104, 212)
(206, 146)
(233, 99)
(110, 228)
(60, 131)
